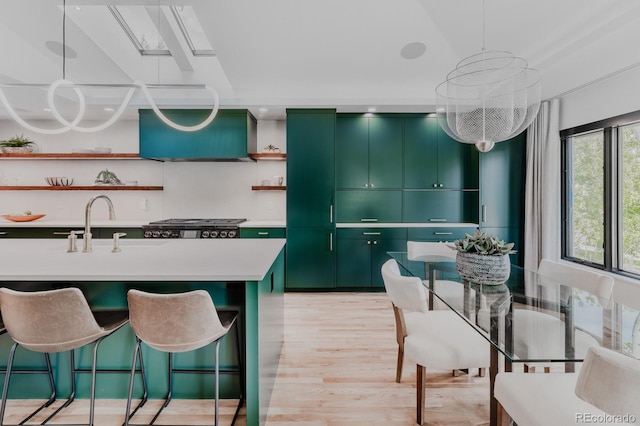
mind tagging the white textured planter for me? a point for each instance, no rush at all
(483, 268)
(16, 149)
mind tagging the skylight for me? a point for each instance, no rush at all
(138, 24)
(192, 31)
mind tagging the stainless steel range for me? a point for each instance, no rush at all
(193, 228)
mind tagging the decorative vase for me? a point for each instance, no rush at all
(483, 268)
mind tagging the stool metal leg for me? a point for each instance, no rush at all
(217, 381)
(129, 414)
(72, 395)
(52, 383)
(240, 373)
(5, 387)
(92, 402)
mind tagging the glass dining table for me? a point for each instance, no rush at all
(530, 318)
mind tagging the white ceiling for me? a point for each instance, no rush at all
(292, 53)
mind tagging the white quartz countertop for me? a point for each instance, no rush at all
(264, 224)
(406, 225)
(79, 224)
(49, 223)
(140, 260)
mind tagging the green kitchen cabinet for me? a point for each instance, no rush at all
(434, 160)
(310, 258)
(369, 151)
(310, 168)
(362, 206)
(436, 206)
(262, 233)
(63, 232)
(361, 253)
(502, 189)
(310, 198)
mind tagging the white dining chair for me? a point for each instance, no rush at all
(534, 331)
(607, 385)
(440, 339)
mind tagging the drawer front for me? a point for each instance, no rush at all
(372, 233)
(438, 234)
(262, 232)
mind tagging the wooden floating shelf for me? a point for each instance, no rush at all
(268, 156)
(82, 188)
(73, 155)
(268, 188)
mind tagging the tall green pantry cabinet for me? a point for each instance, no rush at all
(310, 198)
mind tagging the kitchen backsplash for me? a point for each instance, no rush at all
(207, 189)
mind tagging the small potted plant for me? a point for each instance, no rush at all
(483, 259)
(17, 144)
(107, 177)
(271, 148)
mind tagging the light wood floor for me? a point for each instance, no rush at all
(337, 368)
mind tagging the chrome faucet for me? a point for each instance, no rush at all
(86, 239)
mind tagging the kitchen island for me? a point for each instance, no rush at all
(243, 273)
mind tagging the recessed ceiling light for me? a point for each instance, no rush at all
(109, 109)
(77, 7)
(263, 110)
(371, 109)
(47, 109)
(413, 50)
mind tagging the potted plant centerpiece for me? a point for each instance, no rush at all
(483, 259)
(17, 144)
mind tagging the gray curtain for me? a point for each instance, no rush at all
(542, 191)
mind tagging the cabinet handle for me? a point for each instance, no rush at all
(67, 233)
(435, 185)
(375, 243)
(263, 233)
(368, 242)
(330, 213)
(441, 185)
(443, 233)
(366, 185)
(484, 212)
(371, 185)
(330, 241)
(437, 220)
(368, 220)
(370, 233)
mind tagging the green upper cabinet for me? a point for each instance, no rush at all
(310, 167)
(369, 151)
(502, 184)
(435, 160)
(230, 136)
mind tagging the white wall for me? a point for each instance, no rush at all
(611, 97)
(208, 189)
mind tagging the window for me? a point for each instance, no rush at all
(601, 194)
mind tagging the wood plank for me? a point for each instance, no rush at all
(81, 188)
(337, 368)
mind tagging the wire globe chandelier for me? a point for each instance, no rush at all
(489, 97)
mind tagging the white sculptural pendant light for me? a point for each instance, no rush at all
(489, 97)
(130, 89)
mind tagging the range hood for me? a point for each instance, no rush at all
(231, 136)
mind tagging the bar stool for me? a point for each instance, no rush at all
(57, 321)
(179, 323)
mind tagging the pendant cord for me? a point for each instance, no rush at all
(64, 39)
(483, 19)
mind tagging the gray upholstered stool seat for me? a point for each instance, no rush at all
(181, 322)
(56, 321)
